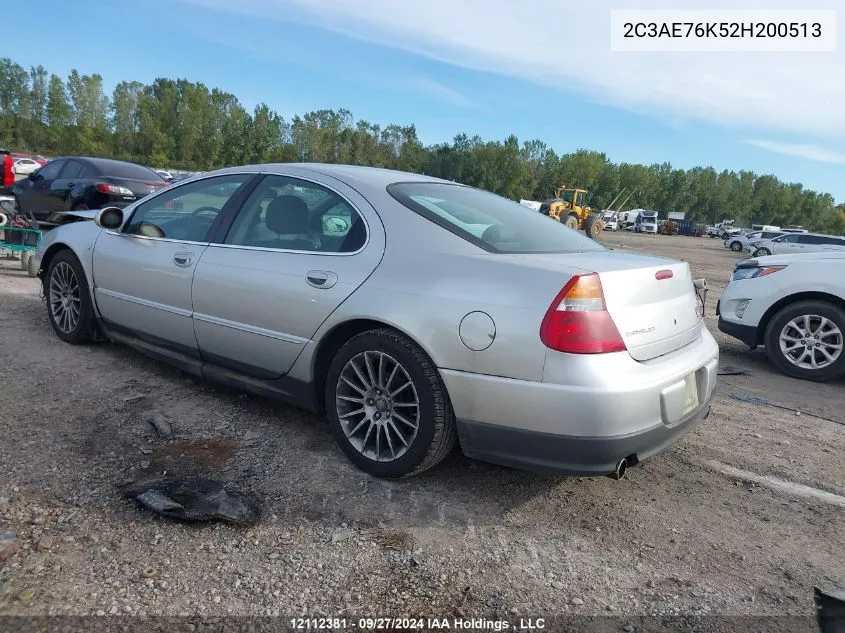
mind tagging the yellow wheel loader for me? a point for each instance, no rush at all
(570, 207)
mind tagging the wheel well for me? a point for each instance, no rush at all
(331, 343)
(801, 296)
(50, 253)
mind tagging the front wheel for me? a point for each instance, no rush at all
(388, 406)
(571, 221)
(762, 252)
(805, 340)
(68, 299)
(593, 226)
(736, 246)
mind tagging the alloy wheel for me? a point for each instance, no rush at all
(811, 342)
(378, 406)
(65, 302)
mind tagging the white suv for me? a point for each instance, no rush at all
(796, 243)
(794, 305)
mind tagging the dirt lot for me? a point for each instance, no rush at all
(683, 534)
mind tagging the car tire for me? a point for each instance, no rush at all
(350, 386)
(67, 286)
(828, 321)
(761, 252)
(736, 246)
(80, 207)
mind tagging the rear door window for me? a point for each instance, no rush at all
(286, 213)
(73, 170)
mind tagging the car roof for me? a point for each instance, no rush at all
(350, 174)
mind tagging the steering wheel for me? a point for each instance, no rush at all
(183, 228)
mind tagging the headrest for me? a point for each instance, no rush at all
(287, 215)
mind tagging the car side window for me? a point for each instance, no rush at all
(291, 214)
(51, 170)
(810, 239)
(73, 170)
(788, 239)
(185, 212)
(86, 172)
(832, 241)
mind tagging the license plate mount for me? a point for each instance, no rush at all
(691, 401)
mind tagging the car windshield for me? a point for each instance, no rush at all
(491, 222)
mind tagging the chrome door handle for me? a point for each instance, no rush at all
(321, 278)
(183, 259)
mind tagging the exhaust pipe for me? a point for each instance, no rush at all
(621, 469)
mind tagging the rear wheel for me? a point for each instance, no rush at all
(68, 299)
(81, 206)
(571, 221)
(736, 246)
(387, 405)
(805, 340)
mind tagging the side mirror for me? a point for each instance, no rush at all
(109, 218)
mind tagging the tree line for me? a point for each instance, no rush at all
(180, 124)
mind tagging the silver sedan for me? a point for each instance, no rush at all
(414, 313)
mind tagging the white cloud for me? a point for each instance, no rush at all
(801, 150)
(440, 91)
(566, 44)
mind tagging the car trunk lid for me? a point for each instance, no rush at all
(652, 301)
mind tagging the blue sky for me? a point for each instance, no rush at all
(487, 67)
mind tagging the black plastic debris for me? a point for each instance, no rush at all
(728, 370)
(193, 499)
(749, 399)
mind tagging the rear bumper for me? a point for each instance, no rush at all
(567, 454)
(589, 411)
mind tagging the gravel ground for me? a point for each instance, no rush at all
(677, 536)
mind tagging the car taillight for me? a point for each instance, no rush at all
(8, 173)
(115, 190)
(578, 322)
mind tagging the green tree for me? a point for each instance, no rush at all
(179, 123)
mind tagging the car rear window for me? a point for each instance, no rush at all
(130, 172)
(491, 222)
